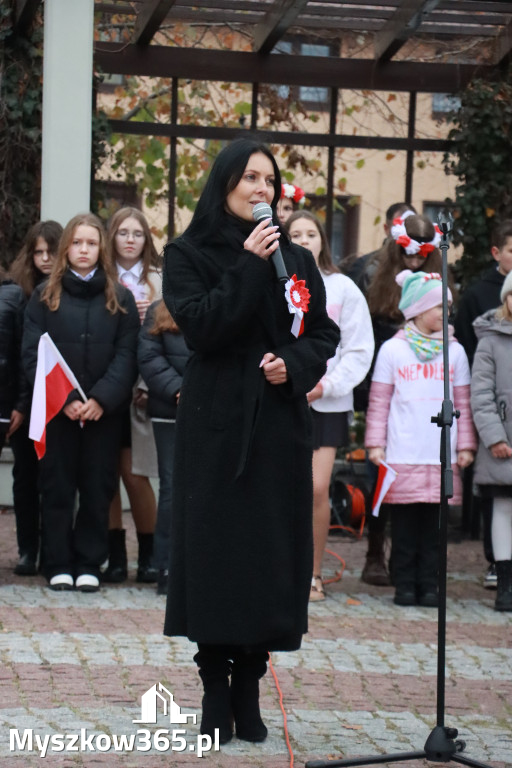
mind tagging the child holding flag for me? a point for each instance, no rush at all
(93, 324)
(406, 391)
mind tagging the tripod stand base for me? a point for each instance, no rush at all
(440, 747)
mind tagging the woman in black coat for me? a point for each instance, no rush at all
(241, 529)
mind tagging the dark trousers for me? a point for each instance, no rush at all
(81, 460)
(25, 491)
(164, 438)
(415, 546)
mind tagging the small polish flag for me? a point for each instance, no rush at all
(54, 381)
(385, 480)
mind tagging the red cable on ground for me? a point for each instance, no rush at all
(285, 719)
(337, 576)
(357, 516)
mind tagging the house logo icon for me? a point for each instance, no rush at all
(156, 695)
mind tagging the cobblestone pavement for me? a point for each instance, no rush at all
(364, 681)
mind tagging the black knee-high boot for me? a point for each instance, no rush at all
(214, 670)
(146, 573)
(248, 668)
(117, 570)
(504, 594)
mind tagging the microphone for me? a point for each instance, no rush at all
(264, 211)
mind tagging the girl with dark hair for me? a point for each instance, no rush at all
(31, 266)
(241, 543)
(136, 262)
(422, 253)
(93, 322)
(331, 400)
(35, 260)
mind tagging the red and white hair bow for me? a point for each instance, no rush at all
(409, 244)
(293, 193)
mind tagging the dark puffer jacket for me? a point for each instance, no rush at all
(100, 348)
(14, 391)
(162, 359)
(478, 298)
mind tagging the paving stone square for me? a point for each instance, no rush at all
(363, 683)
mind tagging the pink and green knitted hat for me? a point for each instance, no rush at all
(421, 291)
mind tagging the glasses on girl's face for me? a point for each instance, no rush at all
(138, 234)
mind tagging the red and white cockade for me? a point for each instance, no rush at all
(409, 244)
(297, 297)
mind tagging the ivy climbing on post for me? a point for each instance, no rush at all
(20, 131)
(481, 160)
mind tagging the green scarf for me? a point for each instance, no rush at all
(424, 347)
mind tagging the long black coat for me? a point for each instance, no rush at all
(100, 348)
(241, 531)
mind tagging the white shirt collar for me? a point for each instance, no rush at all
(135, 271)
(86, 277)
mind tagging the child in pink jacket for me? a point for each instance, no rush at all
(406, 391)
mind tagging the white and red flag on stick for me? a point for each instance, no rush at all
(54, 381)
(385, 480)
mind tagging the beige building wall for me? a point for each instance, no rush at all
(373, 178)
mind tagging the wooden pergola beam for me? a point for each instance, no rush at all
(276, 23)
(229, 66)
(503, 46)
(149, 19)
(218, 133)
(24, 13)
(404, 23)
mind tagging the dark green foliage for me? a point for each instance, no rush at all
(20, 132)
(481, 159)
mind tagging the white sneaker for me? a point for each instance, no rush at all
(62, 581)
(87, 583)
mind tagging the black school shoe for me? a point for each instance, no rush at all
(429, 599)
(26, 566)
(404, 597)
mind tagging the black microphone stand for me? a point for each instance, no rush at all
(441, 746)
